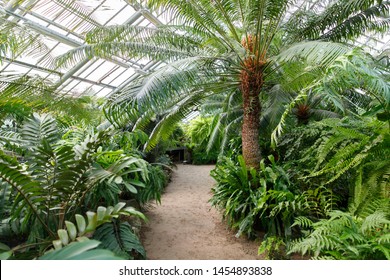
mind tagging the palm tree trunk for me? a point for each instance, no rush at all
(251, 80)
(251, 129)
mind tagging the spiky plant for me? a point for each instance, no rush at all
(211, 48)
(355, 82)
(340, 19)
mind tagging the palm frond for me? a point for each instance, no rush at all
(341, 20)
(165, 125)
(120, 239)
(82, 16)
(29, 194)
(39, 128)
(313, 52)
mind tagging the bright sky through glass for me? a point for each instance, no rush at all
(62, 29)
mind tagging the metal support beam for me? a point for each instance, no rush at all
(71, 72)
(38, 16)
(145, 12)
(77, 67)
(25, 64)
(150, 17)
(57, 36)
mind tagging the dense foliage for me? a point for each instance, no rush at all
(295, 117)
(52, 173)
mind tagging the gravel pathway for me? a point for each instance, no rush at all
(186, 227)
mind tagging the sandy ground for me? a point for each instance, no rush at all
(186, 227)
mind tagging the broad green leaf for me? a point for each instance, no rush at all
(72, 231)
(63, 235)
(81, 225)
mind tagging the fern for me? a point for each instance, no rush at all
(350, 152)
(344, 236)
(120, 239)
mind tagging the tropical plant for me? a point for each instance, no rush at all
(281, 201)
(72, 234)
(86, 250)
(50, 183)
(234, 191)
(340, 19)
(156, 183)
(20, 95)
(212, 48)
(116, 175)
(359, 148)
(199, 132)
(53, 180)
(346, 236)
(119, 238)
(267, 201)
(114, 235)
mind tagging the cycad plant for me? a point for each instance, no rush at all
(211, 48)
(50, 182)
(50, 179)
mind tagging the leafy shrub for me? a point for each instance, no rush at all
(235, 190)
(119, 238)
(266, 201)
(344, 236)
(199, 132)
(154, 185)
(97, 223)
(86, 250)
(341, 155)
(116, 175)
(57, 178)
(253, 200)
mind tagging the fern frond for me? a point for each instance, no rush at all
(120, 239)
(374, 221)
(302, 221)
(29, 197)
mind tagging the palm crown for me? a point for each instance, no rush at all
(211, 47)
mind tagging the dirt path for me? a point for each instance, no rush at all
(186, 227)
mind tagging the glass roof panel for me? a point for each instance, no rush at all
(62, 24)
(122, 16)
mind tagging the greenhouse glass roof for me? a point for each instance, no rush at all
(62, 24)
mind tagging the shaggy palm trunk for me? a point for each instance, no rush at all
(250, 130)
(251, 119)
(251, 80)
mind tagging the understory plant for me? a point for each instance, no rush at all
(265, 201)
(199, 131)
(344, 236)
(349, 156)
(48, 181)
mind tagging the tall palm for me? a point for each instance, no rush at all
(212, 47)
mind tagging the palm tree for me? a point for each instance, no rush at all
(210, 48)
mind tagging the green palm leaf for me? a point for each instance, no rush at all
(85, 250)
